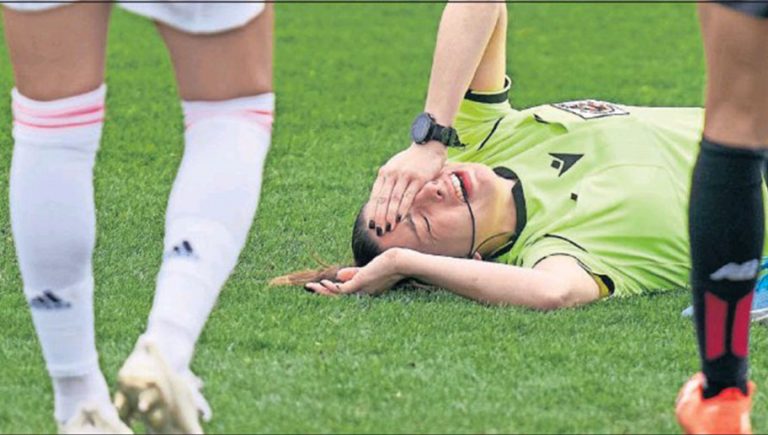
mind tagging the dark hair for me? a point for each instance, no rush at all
(364, 246)
(364, 250)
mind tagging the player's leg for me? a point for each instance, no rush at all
(58, 108)
(726, 219)
(735, 48)
(225, 81)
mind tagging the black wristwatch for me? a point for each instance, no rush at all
(425, 129)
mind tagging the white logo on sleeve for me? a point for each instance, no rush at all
(736, 272)
(591, 109)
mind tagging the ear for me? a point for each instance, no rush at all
(477, 257)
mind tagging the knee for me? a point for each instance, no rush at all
(738, 120)
(46, 89)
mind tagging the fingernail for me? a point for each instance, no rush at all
(397, 218)
(389, 227)
(371, 224)
(307, 289)
(379, 232)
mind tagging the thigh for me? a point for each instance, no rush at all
(220, 66)
(736, 48)
(59, 52)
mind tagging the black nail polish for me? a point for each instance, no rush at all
(371, 224)
(379, 232)
(397, 218)
(389, 227)
(309, 290)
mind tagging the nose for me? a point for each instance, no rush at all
(432, 192)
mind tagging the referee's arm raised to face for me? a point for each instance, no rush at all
(470, 53)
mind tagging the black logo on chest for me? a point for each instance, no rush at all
(563, 162)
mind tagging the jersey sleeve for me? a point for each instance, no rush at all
(480, 112)
(549, 246)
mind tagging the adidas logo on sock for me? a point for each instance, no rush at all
(736, 272)
(49, 301)
(183, 250)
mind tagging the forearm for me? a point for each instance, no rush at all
(465, 31)
(463, 37)
(487, 282)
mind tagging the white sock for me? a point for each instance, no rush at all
(210, 211)
(72, 391)
(53, 221)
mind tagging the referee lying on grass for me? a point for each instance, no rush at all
(552, 206)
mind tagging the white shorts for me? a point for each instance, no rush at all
(188, 17)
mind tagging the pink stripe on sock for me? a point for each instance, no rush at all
(740, 333)
(70, 124)
(264, 125)
(715, 312)
(249, 115)
(258, 118)
(261, 112)
(201, 114)
(64, 114)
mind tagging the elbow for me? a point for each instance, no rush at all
(550, 300)
(555, 299)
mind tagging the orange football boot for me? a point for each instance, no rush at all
(726, 413)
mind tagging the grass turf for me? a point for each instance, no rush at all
(349, 80)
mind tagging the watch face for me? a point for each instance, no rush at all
(420, 128)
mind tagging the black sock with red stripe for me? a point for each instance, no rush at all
(726, 224)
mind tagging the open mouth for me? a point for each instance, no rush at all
(461, 185)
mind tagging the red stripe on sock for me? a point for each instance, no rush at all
(266, 124)
(715, 312)
(261, 112)
(64, 114)
(740, 334)
(70, 124)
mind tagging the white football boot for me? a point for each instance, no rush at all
(150, 391)
(89, 419)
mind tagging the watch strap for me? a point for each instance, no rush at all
(446, 135)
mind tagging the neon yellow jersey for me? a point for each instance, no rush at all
(604, 183)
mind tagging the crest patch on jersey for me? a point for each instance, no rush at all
(591, 109)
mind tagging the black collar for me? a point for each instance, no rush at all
(520, 210)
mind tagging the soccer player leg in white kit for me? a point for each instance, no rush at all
(225, 79)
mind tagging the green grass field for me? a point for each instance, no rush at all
(349, 80)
